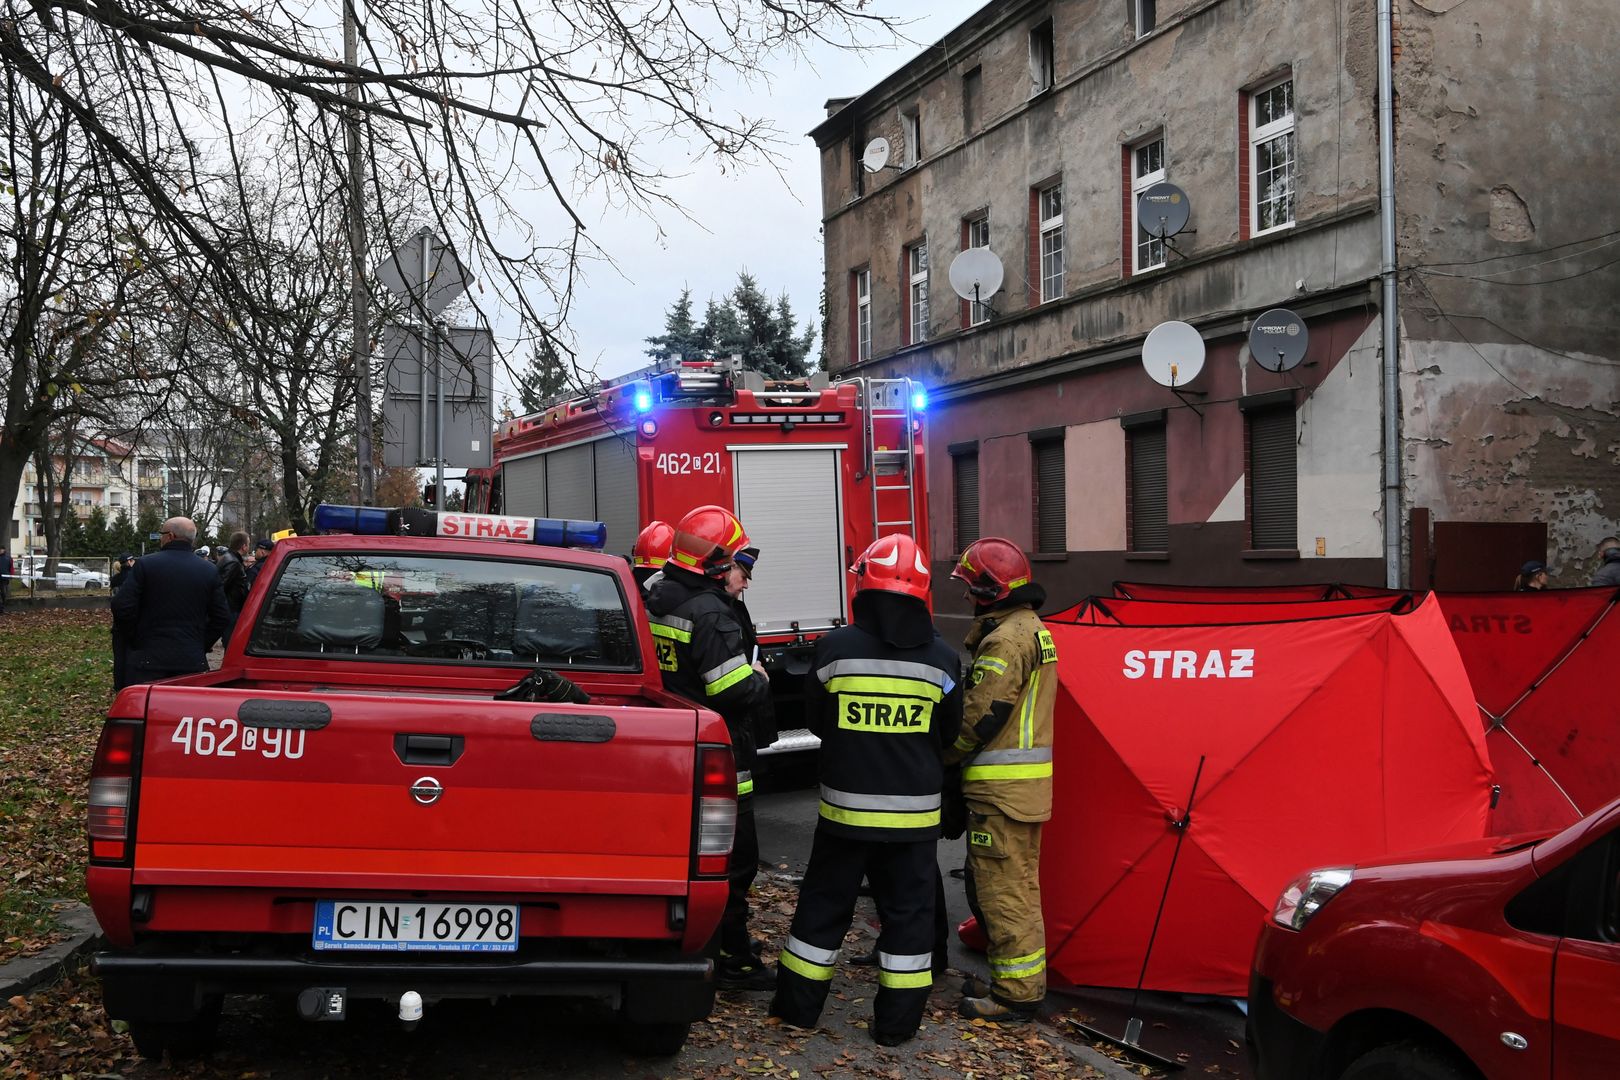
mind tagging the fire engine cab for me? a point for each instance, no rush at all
(815, 469)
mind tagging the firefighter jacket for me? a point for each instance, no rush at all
(1007, 714)
(702, 658)
(884, 714)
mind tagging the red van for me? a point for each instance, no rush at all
(1498, 960)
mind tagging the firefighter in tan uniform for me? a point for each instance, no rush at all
(1005, 752)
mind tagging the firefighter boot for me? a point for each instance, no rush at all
(989, 1008)
(744, 972)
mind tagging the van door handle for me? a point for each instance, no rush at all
(428, 749)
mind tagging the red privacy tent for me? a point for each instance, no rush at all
(1543, 668)
(1143, 590)
(1131, 612)
(1325, 741)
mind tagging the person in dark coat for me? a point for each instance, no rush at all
(233, 572)
(1608, 572)
(170, 608)
(261, 552)
(120, 646)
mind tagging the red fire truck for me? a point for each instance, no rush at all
(815, 469)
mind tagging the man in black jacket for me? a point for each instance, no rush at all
(233, 577)
(170, 609)
(702, 656)
(883, 694)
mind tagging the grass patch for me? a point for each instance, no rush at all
(55, 686)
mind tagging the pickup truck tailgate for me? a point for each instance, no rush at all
(384, 791)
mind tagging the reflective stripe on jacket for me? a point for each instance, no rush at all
(1015, 667)
(883, 714)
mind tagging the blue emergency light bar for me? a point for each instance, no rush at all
(919, 399)
(450, 524)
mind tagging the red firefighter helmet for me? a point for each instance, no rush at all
(991, 568)
(653, 545)
(706, 541)
(893, 564)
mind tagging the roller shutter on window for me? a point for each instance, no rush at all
(523, 487)
(571, 483)
(1273, 479)
(1051, 537)
(1150, 489)
(965, 470)
(616, 504)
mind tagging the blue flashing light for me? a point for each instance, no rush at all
(919, 399)
(642, 398)
(365, 520)
(560, 532)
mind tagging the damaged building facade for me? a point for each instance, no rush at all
(1033, 128)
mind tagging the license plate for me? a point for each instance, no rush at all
(418, 927)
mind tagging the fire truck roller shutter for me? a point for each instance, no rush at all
(571, 483)
(616, 504)
(791, 505)
(523, 486)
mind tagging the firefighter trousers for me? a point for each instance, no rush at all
(741, 868)
(1004, 892)
(902, 875)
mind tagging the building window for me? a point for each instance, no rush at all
(1051, 233)
(917, 290)
(1273, 478)
(1147, 169)
(977, 235)
(972, 88)
(911, 124)
(1271, 156)
(1046, 454)
(862, 288)
(1042, 66)
(1144, 16)
(1147, 511)
(965, 488)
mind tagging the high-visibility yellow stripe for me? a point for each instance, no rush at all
(671, 632)
(963, 743)
(905, 980)
(1026, 722)
(1019, 967)
(877, 819)
(800, 966)
(992, 663)
(875, 684)
(744, 787)
(727, 681)
(1008, 772)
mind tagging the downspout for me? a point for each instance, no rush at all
(1390, 314)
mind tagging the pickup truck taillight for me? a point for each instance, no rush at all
(112, 788)
(716, 823)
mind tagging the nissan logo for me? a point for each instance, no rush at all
(427, 790)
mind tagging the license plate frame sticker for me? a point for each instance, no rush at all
(414, 926)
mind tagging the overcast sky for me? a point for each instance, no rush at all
(758, 220)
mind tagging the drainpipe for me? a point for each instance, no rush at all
(1390, 314)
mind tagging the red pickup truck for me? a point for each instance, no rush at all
(347, 809)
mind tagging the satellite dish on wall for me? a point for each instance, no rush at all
(1278, 340)
(976, 274)
(1173, 354)
(876, 155)
(1163, 210)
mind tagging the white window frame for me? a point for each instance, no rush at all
(911, 126)
(1042, 61)
(863, 314)
(978, 235)
(1144, 17)
(1051, 241)
(1146, 254)
(917, 290)
(1260, 136)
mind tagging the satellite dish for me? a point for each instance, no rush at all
(976, 274)
(1173, 354)
(876, 155)
(1278, 340)
(1163, 210)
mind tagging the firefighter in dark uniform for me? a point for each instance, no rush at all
(650, 552)
(737, 582)
(701, 656)
(883, 697)
(1005, 749)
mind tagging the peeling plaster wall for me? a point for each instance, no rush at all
(1510, 372)
(1340, 457)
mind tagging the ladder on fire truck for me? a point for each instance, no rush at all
(891, 400)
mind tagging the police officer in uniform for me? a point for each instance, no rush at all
(883, 696)
(1005, 749)
(702, 658)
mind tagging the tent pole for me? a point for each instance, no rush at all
(1130, 1042)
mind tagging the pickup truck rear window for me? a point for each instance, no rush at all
(377, 606)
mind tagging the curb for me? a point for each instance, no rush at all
(23, 974)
